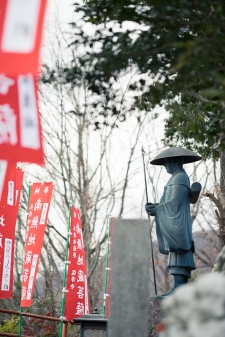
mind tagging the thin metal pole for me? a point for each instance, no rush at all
(21, 309)
(27, 314)
(106, 267)
(20, 322)
(64, 330)
(146, 192)
(65, 272)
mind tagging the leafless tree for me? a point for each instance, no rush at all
(94, 160)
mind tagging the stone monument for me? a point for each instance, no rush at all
(130, 279)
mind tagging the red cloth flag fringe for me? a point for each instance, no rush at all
(77, 291)
(40, 198)
(21, 26)
(10, 189)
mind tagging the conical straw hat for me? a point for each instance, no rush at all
(188, 156)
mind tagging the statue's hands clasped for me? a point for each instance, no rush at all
(151, 208)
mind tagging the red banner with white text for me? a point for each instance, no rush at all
(77, 290)
(11, 184)
(21, 25)
(3, 170)
(39, 203)
(20, 130)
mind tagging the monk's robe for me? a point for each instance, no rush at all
(173, 224)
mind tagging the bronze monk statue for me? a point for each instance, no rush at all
(172, 214)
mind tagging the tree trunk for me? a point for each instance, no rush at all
(220, 215)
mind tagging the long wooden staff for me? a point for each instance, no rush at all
(146, 192)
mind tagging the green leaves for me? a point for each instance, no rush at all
(10, 325)
(196, 125)
(180, 45)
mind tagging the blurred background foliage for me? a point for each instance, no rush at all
(176, 48)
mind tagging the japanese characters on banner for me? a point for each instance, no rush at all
(3, 169)
(20, 132)
(10, 188)
(21, 25)
(77, 291)
(39, 203)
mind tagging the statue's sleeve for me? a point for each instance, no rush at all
(177, 200)
(173, 220)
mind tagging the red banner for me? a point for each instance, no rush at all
(77, 298)
(40, 198)
(3, 170)
(21, 24)
(10, 197)
(20, 131)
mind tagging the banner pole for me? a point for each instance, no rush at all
(106, 268)
(152, 253)
(65, 272)
(21, 309)
(20, 322)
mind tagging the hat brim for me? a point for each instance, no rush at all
(186, 159)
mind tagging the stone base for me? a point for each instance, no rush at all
(155, 314)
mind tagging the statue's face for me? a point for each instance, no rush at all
(171, 164)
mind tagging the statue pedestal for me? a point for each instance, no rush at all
(155, 315)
